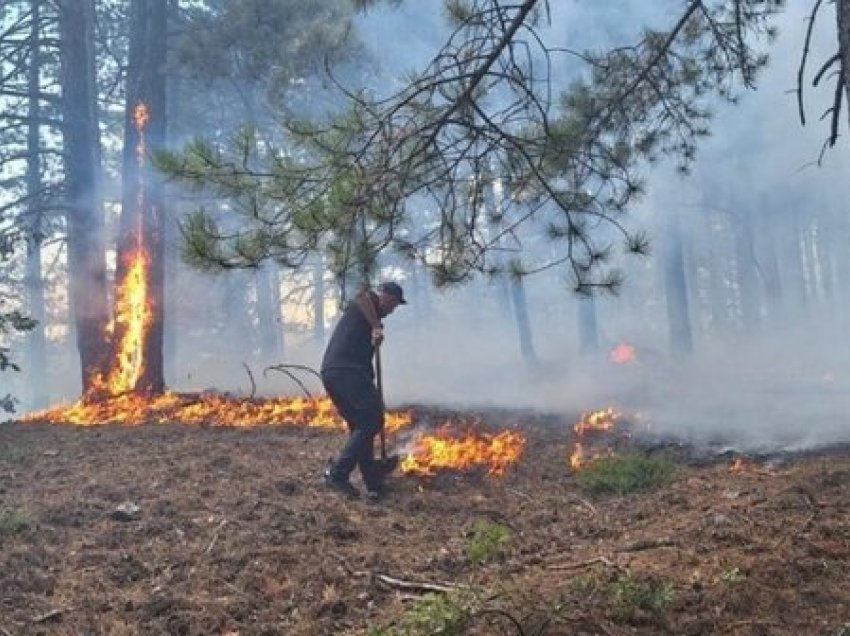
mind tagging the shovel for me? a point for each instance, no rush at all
(386, 464)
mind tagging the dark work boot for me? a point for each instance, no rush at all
(342, 486)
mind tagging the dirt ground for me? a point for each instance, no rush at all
(236, 535)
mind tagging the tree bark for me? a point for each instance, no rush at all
(142, 209)
(86, 246)
(319, 299)
(269, 322)
(842, 12)
(770, 266)
(523, 322)
(588, 333)
(745, 258)
(36, 345)
(676, 288)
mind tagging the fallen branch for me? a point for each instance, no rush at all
(250, 377)
(411, 586)
(284, 368)
(583, 564)
(237, 590)
(585, 503)
(650, 544)
(54, 613)
(5, 632)
(215, 536)
(752, 622)
(520, 493)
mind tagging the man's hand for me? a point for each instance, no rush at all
(377, 336)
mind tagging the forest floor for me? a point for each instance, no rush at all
(235, 534)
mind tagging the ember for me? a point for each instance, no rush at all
(449, 450)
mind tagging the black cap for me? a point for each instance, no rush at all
(393, 289)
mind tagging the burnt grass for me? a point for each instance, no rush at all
(235, 534)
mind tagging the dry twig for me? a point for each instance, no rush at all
(215, 536)
(54, 613)
(583, 564)
(412, 586)
(650, 544)
(585, 503)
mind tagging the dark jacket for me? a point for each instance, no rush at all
(350, 346)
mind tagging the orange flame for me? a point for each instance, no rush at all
(208, 408)
(447, 451)
(623, 354)
(132, 314)
(602, 420)
(738, 466)
(131, 322)
(591, 423)
(141, 116)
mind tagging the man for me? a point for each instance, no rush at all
(349, 380)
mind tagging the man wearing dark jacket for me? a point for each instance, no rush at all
(349, 380)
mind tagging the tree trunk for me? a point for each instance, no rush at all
(770, 268)
(319, 299)
(142, 213)
(588, 334)
(842, 12)
(86, 247)
(523, 323)
(504, 291)
(171, 339)
(745, 258)
(36, 346)
(794, 265)
(676, 288)
(269, 322)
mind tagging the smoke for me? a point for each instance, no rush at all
(776, 379)
(769, 367)
(766, 371)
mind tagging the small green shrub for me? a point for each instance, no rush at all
(443, 614)
(631, 595)
(623, 475)
(13, 521)
(487, 542)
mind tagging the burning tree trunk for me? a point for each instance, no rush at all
(86, 248)
(138, 320)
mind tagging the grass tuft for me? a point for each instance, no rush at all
(624, 475)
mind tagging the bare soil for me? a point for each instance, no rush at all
(237, 535)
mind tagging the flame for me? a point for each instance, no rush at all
(206, 408)
(131, 322)
(738, 466)
(623, 353)
(447, 450)
(602, 420)
(132, 312)
(590, 424)
(141, 116)
(113, 398)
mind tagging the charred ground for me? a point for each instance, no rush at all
(235, 534)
